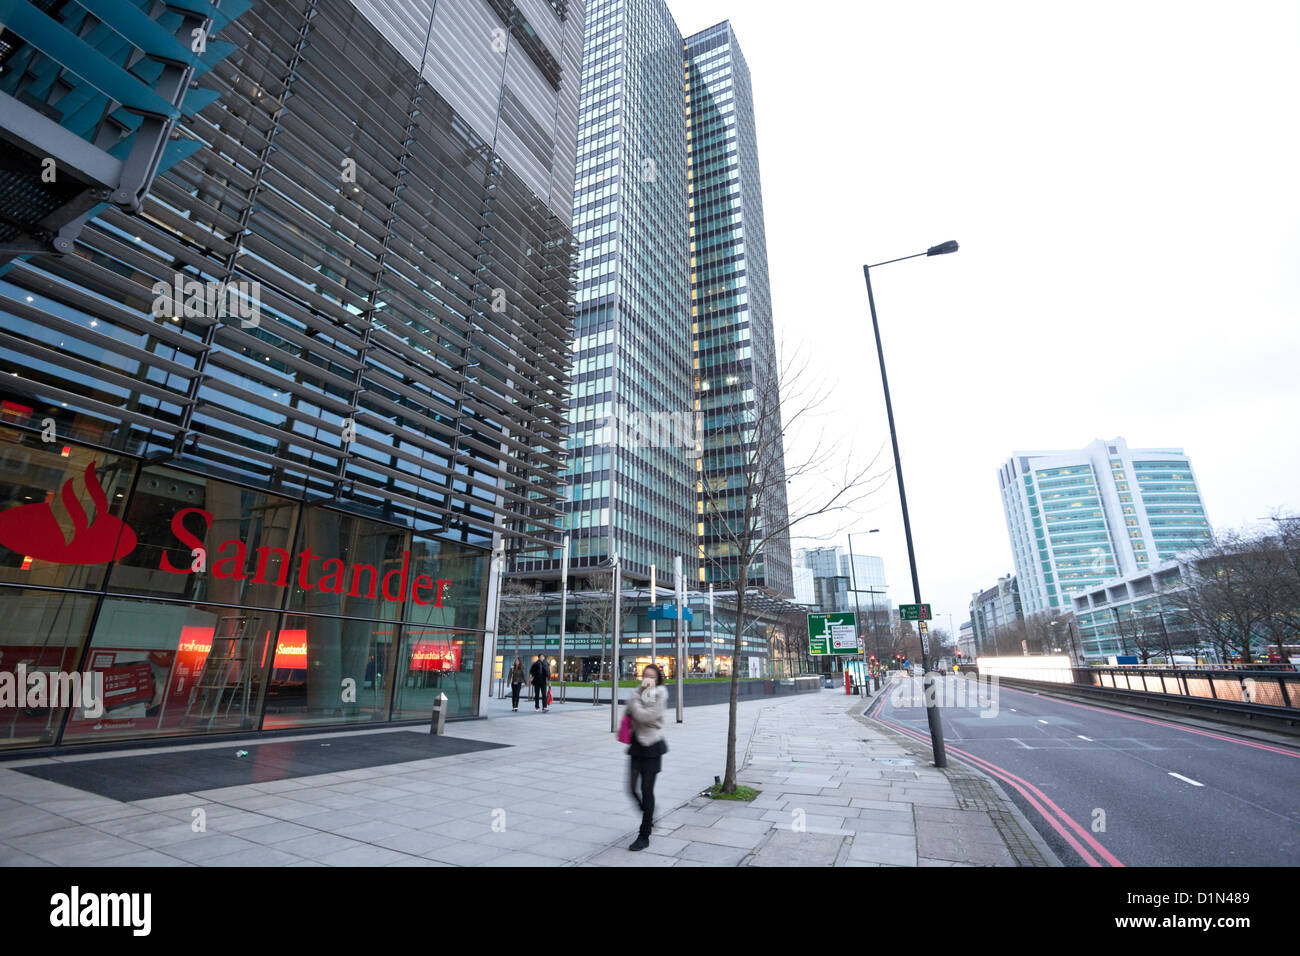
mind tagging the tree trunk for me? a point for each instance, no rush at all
(729, 780)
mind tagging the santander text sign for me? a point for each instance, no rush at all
(34, 530)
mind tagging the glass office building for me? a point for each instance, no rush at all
(1078, 518)
(731, 313)
(632, 437)
(261, 430)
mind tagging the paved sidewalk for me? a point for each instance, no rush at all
(556, 797)
(839, 790)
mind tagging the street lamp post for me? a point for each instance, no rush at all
(857, 606)
(931, 708)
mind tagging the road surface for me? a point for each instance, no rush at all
(1107, 788)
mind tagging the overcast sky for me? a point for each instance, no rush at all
(1122, 178)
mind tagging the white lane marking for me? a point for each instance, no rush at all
(1185, 779)
(1041, 721)
(1082, 737)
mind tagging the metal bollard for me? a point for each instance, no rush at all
(438, 719)
(595, 689)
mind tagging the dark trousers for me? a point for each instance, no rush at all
(645, 769)
(539, 695)
(514, 694)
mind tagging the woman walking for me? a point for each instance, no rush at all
(645, 712)
(517, 678)
(541, 675)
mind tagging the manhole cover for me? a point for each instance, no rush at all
(896, 761)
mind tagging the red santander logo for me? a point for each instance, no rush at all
(33, 530)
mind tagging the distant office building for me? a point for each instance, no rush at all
(1140, 615)
(731, 311)
(1076, 518)
(833, 582)
(803, 586)
(966, 641)
(997, 619)
(824, 562)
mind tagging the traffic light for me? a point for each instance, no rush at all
(959, 652)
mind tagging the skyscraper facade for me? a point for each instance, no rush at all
(282, 514)
(631, 437)
(735, 361)
(996, 618)
(1076, 518)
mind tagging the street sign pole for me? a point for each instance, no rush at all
(712, 671)
(654, 624)
(681, 657)
(618, 622)
(564, 606)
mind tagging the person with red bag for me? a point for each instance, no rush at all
(540, 673)
(643, 732)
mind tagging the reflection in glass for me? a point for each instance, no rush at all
(44, 631)
(175, 669)
(329, 670)
(435, 661)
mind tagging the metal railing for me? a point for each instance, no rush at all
(1271, 688)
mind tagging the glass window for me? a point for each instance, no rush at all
(61, 513)
(350, 565)
(448, 584)
(436, 661)
(247, 536)
(329, 670)
(175, 669)
(44, 631)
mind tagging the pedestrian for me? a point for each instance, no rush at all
(645, 711)
(540, 673)
(517, 678)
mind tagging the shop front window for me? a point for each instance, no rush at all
(172, 668)
(434, 661)
(329, 670)
(43, 634)
(350, 566)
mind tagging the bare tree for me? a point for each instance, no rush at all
(595, 604)
(744, 478)
(521, 607)
(594, 601)
(904, 640)
(1225, 597)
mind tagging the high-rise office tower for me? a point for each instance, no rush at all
(631, 433)
(731, 312)
(266, 413)
(1076, 518)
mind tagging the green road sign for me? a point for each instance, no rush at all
(833, 633)
(914, 612)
